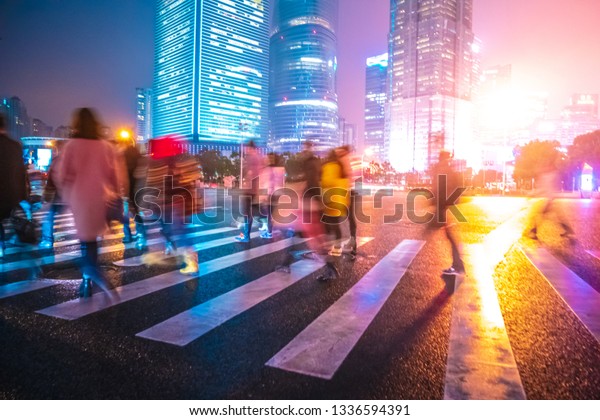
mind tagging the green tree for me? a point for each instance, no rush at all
(585, 149)
(209, 160)
(535, 158)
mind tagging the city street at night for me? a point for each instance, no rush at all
(521, 323)
(273, 208)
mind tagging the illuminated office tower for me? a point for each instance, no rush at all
(432, 65)
(143, 127)
(18, 123)
(211, 70)
(303, 99)
(375, 99)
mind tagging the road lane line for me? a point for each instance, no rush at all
(190, 325)
(18, 288)
(322, 347)
(582, 298)
(160, 255)
(73, 255)
(480, 363)
(77, 308)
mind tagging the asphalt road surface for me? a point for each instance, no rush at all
(522, 323)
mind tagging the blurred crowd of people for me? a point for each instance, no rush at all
(102, 181)
(98, 181)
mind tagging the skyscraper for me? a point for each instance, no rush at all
(375, 100)
(18, 121)
(432, 56)
(143, 126)
(211, 70)
(303, 99)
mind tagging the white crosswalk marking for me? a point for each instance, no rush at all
(582, 298)
(141, 259)
(70, 242)
(78, 308)
(321, 348)
(184, 328)
(480, 363)
(18, 288)
(70, 256)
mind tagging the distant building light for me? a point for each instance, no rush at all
(378, 60)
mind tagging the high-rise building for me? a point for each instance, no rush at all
(40, 129)
(432, 65)
(303, 99)
(582, 107)
(347, 133)
(18, 122)
(375, 100)
(143, 126)
(211, 70)
(579, 117)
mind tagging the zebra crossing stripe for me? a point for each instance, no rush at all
(40, 215)
(18, 288)
(582, 298)
(188, 326)
(33, 262)
(77, 308)
(322, 347)
(20, 249)
(141, 259)
(72, 255)
(594, 253)
(480, 363)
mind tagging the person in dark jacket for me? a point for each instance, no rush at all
(13, 178)
(445, 177)
(135, 174)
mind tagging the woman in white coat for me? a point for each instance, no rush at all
(88, 176)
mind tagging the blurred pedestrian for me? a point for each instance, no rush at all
(271, 182)
(171, 179)
(250, 197)
(335, 189)
(13, 178)
(445, 182)
(351, 165)
(546, 187)
(136, 175)
(53, 200)
(88, 178)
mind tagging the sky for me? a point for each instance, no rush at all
(58, 55)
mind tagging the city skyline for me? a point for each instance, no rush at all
(53, 71)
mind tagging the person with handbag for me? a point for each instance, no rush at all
(13, 178)
(88, 178)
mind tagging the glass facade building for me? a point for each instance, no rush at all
(143, 127)
(375, 99)
(303, 99)
(433, 62)
(211, 70)
(18, 123)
